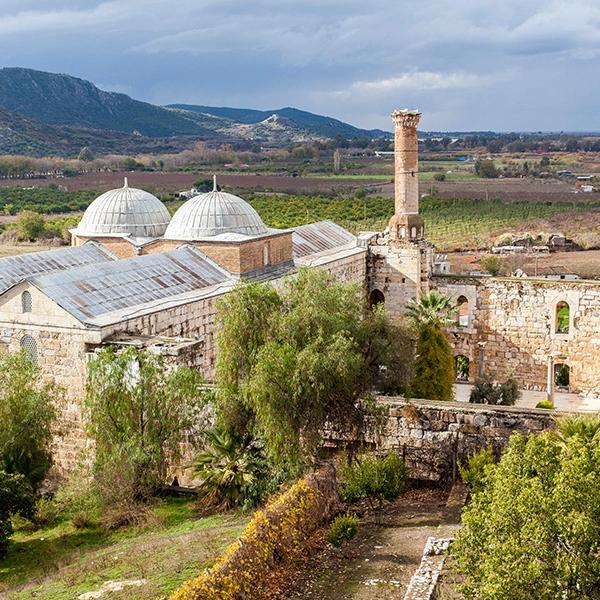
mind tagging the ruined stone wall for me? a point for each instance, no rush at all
(400, 272)
(433, 437)
(515, 321)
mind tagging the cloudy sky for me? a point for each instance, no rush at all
(466, 64)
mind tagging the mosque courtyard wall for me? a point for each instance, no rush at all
(512, 329)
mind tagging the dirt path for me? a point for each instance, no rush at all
(379, 562)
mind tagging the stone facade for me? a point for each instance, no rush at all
(434, 437)
(512, 329)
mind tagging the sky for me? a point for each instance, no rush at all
(509, 65)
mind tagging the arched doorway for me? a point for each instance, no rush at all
(461, 367)
(463, 311)
(376, 297)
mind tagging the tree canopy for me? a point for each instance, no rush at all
(297, 357)
(535, 524)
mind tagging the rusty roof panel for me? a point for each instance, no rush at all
(14, 269)
(319, 237)
(91, 291)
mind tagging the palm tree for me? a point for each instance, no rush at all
(585, 426)
(433, 370)
(432, 309)
(227, 468)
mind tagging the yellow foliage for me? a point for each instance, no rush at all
(275, 534)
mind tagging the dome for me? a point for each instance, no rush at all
(214, 213)
(125, 211)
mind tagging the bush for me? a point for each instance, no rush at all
(474, 472)
(30, 225)
(342, 528)
(485, 391)
(16, 498)
(374, 478)
(439, 176)
(546, 403)
(491, 264)
(27, 415)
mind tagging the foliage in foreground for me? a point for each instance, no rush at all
(535, 525)
(474, 472)
(232, 471)
(375, 479)
(294, 359)
(27, 415)
(485, 391)
(137, 411)
(343, 527)
(16, 498)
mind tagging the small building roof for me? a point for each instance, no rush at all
(126, 287)
(124, 211)
(14, 269)
(213, 214)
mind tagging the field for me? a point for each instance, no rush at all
(61, 562)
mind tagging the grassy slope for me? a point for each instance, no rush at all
(61, 562)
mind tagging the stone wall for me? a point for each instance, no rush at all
(433, 437)
(512, 329)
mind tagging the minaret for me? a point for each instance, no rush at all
(406, 225)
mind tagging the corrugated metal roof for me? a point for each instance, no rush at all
(92, 291)
(14, 269)
(319, 237)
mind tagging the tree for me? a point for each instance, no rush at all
(432, 309)
(491, 264)
(138, 410)
(535, 524)
(86, 155)
(545, 161)
(293, 359)
(486, 169)
(27, 414)
(30, 225)
(434, 363)
(16, 498)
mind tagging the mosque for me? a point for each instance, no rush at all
(134, 276)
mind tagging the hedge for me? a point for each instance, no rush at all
(278, 534)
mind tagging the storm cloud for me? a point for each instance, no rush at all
(515, 65)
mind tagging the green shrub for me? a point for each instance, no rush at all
(474, 472)
(375, 479)
(485, 391)
(546, 403)
(343, 527)
(439, 176)
(16, 498)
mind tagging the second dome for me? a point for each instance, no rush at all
(212, 214)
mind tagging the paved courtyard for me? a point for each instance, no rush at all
(562, 401)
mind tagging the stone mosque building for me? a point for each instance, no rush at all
(136, 276)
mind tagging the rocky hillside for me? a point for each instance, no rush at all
(62, 100)
(21, 135)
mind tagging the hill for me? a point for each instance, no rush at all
(65, 100)
(300, 121)
(21, 135)
(62, 100)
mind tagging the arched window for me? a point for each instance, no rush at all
(402, 232)
(30, 346)
(563, 317)
(413, 232)
(562, 375)
(461, 366)
(463, 311)
(266, 255)
(26, 301)
(376, 297)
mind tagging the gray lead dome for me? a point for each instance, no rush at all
(125, 211)
(213, 214)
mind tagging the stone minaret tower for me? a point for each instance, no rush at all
(406, 225)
